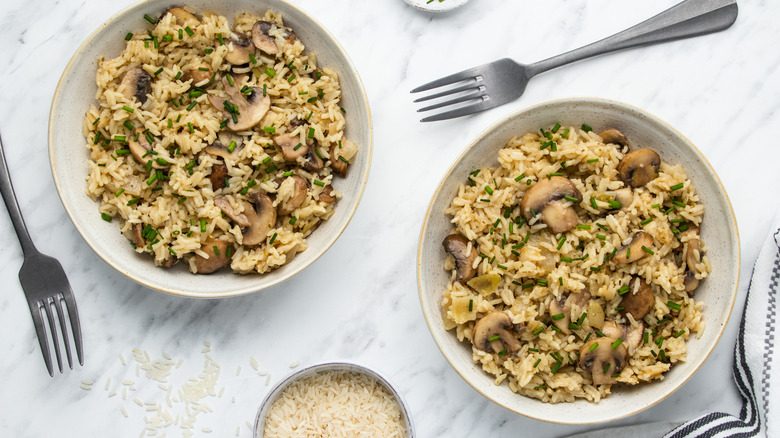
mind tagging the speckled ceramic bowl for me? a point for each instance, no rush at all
(311, 370)
(68, 152)
(719, 231)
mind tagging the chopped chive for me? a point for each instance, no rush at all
(502, 352)
(592, 160)
(646, 337)
(602, 227)
(232, 146)
(106, 217)
(673, 305)
(541, 283)
(270, 74)
(494, 338)
(319, 183)
(571, 198)
(128, 109)
(566, 259)
(270, 129)
(593, 203)
(502, 267)
(678, 203)
(537, 362)
(540, 329)
(558, 316)
(594, 346)
(556, 128)
(606, 367)
(647, 250)
(293, 219)
(216, 250)
(600, 334)
(587, 337)
(167, 38)
(265, 90)
(181, 34)
(617, 343)
(586, 128)
(677, 221)
(191, 105)
(678, 334)
(550, 175)
(202, 225)
(565, 133)
(471, 305)
(311, 133)
(149, 19)
(189, 31)
(555, 367)
(133, 201)
(129, 36)
(646, 221)
(522, 175)
(488, 190)
(220, 39)
(677, 186)
(623, 290)
(595, 268)
(583, 227)
(252, 58)
(158, 71)
(290, 79)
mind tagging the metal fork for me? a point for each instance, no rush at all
(44, 283)
(490, 85)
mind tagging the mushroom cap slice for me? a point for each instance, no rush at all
(199, 74)
(136, 83)
(292, 148)
(336, 163)
(613, 136)
(182, 15)
(639, 167)
(262, 218)
(496, 324)
(563, 307)
(457, 246)
(313, 161)
(251, 107)
(136, 235)
(219, 172)
(139, 150)
(632, 335)
(239, 218)
(625, 197)
(633, 250)
(548, 193)
(217, 250)
(300, 188)
(262, 39)
(693, 256)
(326, 195)
(639, 299)
(221, 147)
(239, 49)
(602, 361)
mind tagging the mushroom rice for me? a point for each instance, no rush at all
(574, 264)
(216, 144)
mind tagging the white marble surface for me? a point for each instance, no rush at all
(720, 90)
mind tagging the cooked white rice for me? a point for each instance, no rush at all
(172, 202)
(532, 266)
(335, 404)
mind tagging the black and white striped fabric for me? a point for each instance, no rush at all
(754, 373)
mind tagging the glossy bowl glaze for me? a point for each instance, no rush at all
(719, 231)
(68, 152)
(311, 370)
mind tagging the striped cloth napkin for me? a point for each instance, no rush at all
(755, 374)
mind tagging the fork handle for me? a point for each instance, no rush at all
(687, 19)
(7, 190)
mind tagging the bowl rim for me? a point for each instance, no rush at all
(237, 291)
(505, 119)
(339, 365)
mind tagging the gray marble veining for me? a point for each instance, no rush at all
(359, 301)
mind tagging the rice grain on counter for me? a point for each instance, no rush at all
(216, 144)
(335, 404)
(574, 264)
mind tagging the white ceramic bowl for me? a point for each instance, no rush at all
(436, 5)
(68, 152)
(719, 231)
(303, 373)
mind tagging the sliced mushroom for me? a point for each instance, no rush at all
(219, 173)
(563, 307)
(167, 263)
(291, 147)
(632, 335)
(546, 198)
(182, 16)
(262, 39)
(299, 195)
(136, 83)
(326, 195)
(602, 361)
(639, 299)
(225, 146)
(313, 161)
(140, 151)
(613, 136)
(457, 246)
(199, 74)
(633, 250)
(136, 235)
(239, 49)
(625, 197)
(251, 108)
(639, 167)
(217, 250)
(338, 162)
(240, 218)
(493, 332)
(262, 218)
(692, 259)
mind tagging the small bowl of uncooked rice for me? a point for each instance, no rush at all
(334, 399)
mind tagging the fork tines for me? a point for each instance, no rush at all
(37, 309)
(467, 92)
